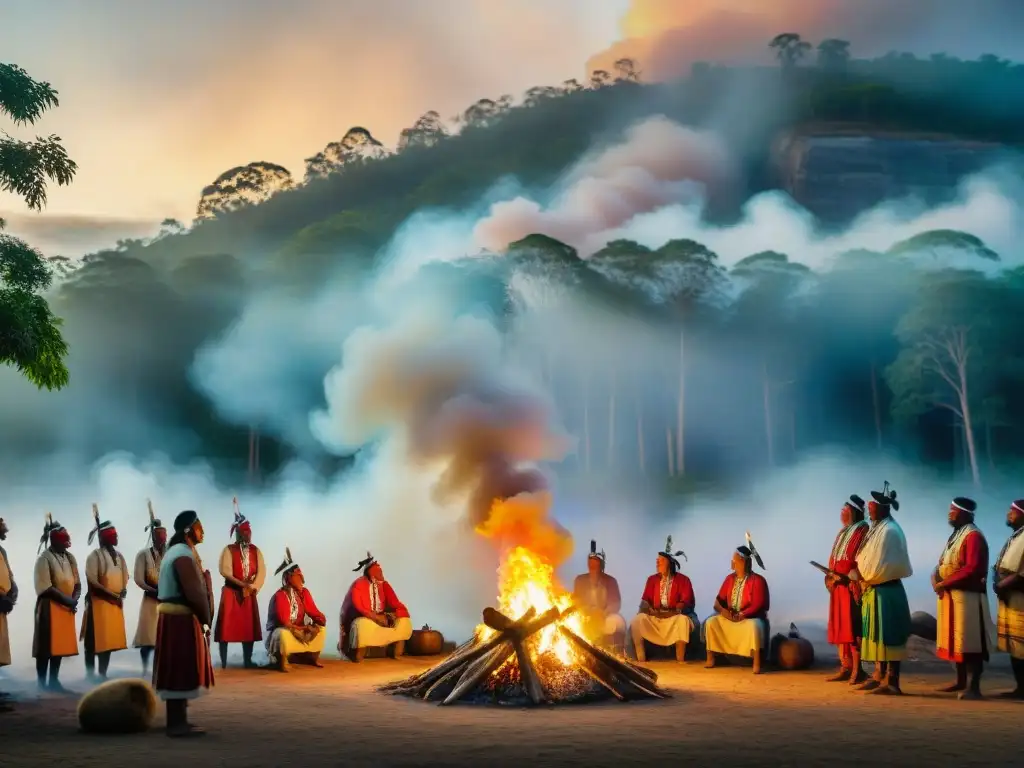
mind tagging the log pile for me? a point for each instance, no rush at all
(503, 670)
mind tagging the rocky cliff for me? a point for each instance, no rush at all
(837, 173)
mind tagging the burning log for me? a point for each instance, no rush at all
(505, 667)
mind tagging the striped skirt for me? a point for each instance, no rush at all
(885, 621)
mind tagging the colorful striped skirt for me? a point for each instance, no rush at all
(885, 619)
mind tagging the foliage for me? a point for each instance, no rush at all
(242, 186)
(357, 146)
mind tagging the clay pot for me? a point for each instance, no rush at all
(795, 653)
(425, 642)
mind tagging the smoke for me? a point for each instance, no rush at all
(667, 38)
(658, 163)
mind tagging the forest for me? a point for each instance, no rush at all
(885, 351)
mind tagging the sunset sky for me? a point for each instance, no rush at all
(158, 98)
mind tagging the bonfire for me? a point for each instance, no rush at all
(532, 649)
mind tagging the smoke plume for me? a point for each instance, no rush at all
(659, 162)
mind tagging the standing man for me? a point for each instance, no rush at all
(238, 618)
(8, 597)
(599, 599)
(147, 578)
(740, 626)
(106, 575)
(880, 567)
(844, 619)
(58, 589)
(1008, 584)
(372, 615)
(666, 616)
(964, 621)
(295, 625)
(182, 669)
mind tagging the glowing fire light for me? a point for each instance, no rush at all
(525, 580)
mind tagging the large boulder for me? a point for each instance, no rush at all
(924, 625)
(118, 706)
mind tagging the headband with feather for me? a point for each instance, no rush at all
(239, 520)
(886, 497)
(595, 554)
(154, 522)
(287, 564)
(49, 527)
(750, 551)
(365, 563)
(672, 556)
(106, 525)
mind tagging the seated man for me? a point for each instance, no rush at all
(666, 609)
(741, 626)
(295, 626)
(372, 615)
(597, 595)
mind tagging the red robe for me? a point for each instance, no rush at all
(612, 596)
(970, 576)
(358, 603)
(238, 618)
(844, 613)
(280, 611)
(680, 593)
(755, 600)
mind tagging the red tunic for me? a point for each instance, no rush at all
(680, 593)
(612, 597)
(358, 602)
(970, 576)
(280, 611)
(844, 613)
(238, 618)
(755, 600)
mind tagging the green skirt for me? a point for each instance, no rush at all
(886, 618)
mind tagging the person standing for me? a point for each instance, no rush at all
(8, 598)
(58, 589)
(880, 567)
(106, 575)
(1008, 584)
(243, 569)
(182, 668)
(147, 578)
(844, 612)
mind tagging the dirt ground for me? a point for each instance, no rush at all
(726, 716)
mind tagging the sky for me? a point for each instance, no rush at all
(158, 98)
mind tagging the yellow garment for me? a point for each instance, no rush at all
(662, 631)
(281, 642)
(6, 582)
(60, 572)
(735, 638)
(964, 616)
(147, 574)
(368, 634)
(106, 617)
(1010, 617)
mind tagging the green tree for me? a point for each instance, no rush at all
(357, 146)
(950, 356)
(30, 333)
(427, 131)
(834, 55)
(789, 49)
(937, 242)
(241, 187)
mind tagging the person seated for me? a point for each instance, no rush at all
(740, 627)
(666, 614)
(295, 626)
(599, 600)
(372, 616)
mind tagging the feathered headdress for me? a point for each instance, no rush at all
(667, 552)
(288, 564)
(750, 551)
(595, 554)
(886, 497)
(49, 527)
(239, 520)
(154, 523)
(365, 563)
(106, 525)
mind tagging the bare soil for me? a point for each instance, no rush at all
(727, 716)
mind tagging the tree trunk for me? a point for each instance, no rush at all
(680, 461)
(972, 451)
(640, 435)
(668, 445)
(988, 446)
(876, 404)
(611, 422)
(766, 389)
